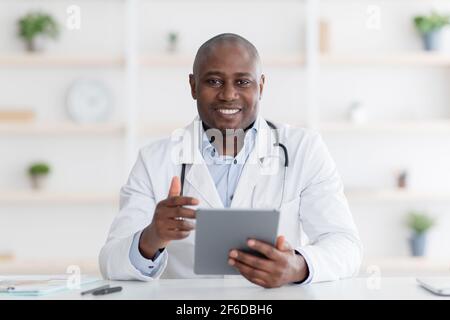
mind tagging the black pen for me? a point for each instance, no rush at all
(95, 289)
(106, 291)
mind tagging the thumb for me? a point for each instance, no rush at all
(282, 244)
(175, 187)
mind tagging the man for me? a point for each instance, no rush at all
(153, 235)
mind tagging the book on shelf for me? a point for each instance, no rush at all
(324, 36)
(6, 256)
(16, 115)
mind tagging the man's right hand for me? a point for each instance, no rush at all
(169, 221)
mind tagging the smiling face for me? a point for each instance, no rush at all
(227, 84)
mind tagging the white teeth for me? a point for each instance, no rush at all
(228, 111)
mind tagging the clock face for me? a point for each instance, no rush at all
(88, 101)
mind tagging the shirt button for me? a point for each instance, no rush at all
(213, 152)
(150, 267)
(231, 198)
(235, 161)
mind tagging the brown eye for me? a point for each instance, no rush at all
(243, 82)
(214, 82)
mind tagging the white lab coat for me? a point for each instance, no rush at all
(315, 217)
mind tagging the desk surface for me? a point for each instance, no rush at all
(241, 289)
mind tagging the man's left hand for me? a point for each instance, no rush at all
(280, 266)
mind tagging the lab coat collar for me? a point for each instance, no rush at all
(192, 135)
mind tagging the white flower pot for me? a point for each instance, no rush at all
(37, 44)
(38, 181)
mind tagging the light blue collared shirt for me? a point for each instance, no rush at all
(226, 170)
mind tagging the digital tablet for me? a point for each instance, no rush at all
(436, 285)
(218, 231)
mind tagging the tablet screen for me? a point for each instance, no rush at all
(220, 230)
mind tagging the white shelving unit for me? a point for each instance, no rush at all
(131, 61)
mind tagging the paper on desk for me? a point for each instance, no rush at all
(36, 285)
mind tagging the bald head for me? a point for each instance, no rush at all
(226, 40)
(227, 82)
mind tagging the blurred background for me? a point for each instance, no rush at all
(85, 84)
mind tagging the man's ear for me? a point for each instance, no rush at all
(193, 88)
(261, 85)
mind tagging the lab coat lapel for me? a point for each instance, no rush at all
(200, 179)
(197, 175)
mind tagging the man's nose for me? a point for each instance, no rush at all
(228, 93)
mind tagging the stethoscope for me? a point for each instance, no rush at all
(276, 144)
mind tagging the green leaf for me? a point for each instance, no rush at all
(39, 168)
(432, 22)
(420, 222)
(35, 23)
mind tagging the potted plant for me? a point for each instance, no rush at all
(430, 28)
(420, 223)
(35, 27)
(38, 173)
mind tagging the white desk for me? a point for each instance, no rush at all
(241, 289)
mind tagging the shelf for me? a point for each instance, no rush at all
(288, 60)
(59, 60)
(184, 60)
(178, 60)
(93, 198)
(423, 59)
(405, 265)
(48, 197)
(389, 195)
(160, 129)
(149, 60)
(47, 265)
(166, 60)
(61, 128)
(436, 126)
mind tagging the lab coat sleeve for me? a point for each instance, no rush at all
(148, 267)
(334, 250)
(137, 205)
